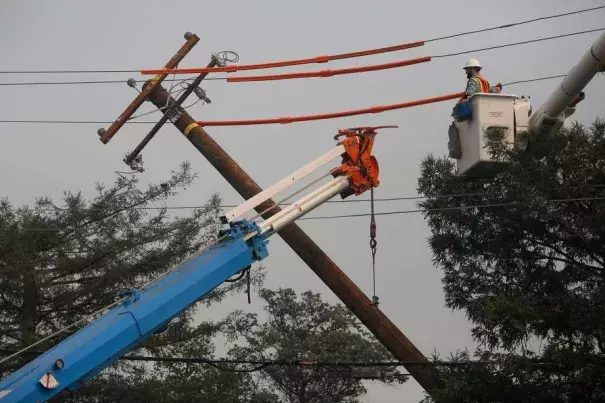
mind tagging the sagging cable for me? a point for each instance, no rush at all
(286, 63)
(330, 73)
(334, 115)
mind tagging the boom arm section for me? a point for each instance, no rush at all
(147, 311)
(100, 344)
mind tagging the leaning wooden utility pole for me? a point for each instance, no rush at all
(361, 306)
(345, 289)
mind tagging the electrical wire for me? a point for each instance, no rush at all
(26, 83)
(356, 200)
(387, 213)
(296, 363)
(296, 62)
(497, 27)
(34, 121)
(535, 80)
(172, 92)
(548, 38)
(330, 73)
(300, 363)
(331, 115)
(325, 73)
(385, 66)
(515, 24)
(476, 206)
(259, 364)
(72, 122)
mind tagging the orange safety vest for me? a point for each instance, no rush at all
(484, 87)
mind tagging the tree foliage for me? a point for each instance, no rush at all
(523, 255)
(304, 328)
(60, 263)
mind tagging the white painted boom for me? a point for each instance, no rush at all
(304, 205)
(551, 113)
(286, 182)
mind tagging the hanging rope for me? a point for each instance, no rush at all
(248, 288)
(242, 273)
(373, 245)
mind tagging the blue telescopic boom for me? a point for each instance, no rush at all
(147, 311)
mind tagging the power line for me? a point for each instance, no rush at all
(477, 206)
(96, 122)
(382, 200)
(298, 363)
(548, 38)
(68, 71)
(36, 83)
(497, 27)
(387, 213)
(27, 83)
(535, 79)
(515, 24)
(73, 121)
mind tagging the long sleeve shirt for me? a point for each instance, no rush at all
(474, 85)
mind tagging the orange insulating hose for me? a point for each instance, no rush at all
(374, 109)
(330, 73)
(296, 62)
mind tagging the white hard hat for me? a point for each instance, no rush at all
(472, 63)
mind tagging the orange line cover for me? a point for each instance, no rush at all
(329, 73)
(296, 62)
(334, 115)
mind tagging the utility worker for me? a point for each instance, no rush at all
(476, 83)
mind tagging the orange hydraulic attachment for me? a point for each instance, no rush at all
(285, 63)
(358, 163)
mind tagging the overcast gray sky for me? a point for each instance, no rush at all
(38, 160)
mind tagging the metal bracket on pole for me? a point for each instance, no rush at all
(173, 112)
(106, 135)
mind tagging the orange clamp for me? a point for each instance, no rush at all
(358, 162)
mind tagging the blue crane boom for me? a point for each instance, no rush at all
(100, 344)
(146, 311)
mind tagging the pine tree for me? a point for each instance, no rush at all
(60, 263)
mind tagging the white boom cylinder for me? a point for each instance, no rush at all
(304, 205)
(283, 184)
(550, 113)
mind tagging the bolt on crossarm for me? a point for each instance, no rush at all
(171, 112)
(106, 135)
